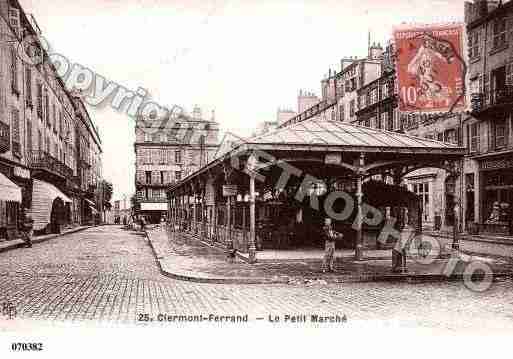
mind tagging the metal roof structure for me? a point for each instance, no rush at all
(320, 133)
(320, 138)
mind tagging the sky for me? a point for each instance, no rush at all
(243, 58)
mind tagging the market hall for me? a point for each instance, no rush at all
(273, 190)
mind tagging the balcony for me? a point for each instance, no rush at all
(41, 160)
(154, 184)
(499, 101)
(5, 137)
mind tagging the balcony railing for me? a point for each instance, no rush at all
(497, 98)
(154, 183)
(44, 161)
(5, 137)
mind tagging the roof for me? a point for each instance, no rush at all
(317, 132)
(333, 137)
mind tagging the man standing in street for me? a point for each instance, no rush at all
(330, 236)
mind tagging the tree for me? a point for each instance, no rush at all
(107, 189)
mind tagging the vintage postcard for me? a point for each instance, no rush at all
(286, 177)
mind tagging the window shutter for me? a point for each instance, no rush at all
(509, 74)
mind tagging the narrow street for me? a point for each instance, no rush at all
(109, 274)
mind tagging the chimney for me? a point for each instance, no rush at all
(375, 52)
(196, 113)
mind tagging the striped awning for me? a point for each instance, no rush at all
(9, 191)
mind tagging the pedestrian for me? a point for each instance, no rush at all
(143, 223)
(124, 220)
(26, 227)
(330, 236)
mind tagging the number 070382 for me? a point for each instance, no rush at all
(26, 347)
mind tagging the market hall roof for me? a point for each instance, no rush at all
(321, 137)
(321, 134)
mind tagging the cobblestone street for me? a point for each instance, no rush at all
(108, 274)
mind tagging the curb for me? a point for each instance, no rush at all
(198, 277)
(18, 243)
(473, 239)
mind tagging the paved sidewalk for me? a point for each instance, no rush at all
(506, 240)
(184, 257)
(19, 243)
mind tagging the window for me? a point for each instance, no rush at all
(362, 101)
(47, 110)
(29, 135)
(14, 20)
(499, 33)
(384, 125)
(384, 91)
(40, 101)
(148, 177)
(178, 175)
(54, 118)
(162, 175)
(178, 156)
(39, 141)
(14, 71)
(450, 136)
(60, 123)
(341, 115)
(373, 96)
(351, 108)
(500, 135)
(28, 83)
(353, 84)
(422, 190)
(474, 44)
(16, 132)
(147, 137)
(473, 131)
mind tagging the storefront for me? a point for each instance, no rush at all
(497, 195)
(153, 211)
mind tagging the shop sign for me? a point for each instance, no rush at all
(333, 159)
(21, 172)
(229, 190)
(497, 164)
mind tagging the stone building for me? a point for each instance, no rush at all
(40, 154)
(168, 155)
(488, 129)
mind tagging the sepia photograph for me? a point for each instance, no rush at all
(256, 177)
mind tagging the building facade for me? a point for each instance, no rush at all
(38, 137)
(488, 129)
(168, 155)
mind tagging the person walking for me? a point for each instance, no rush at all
(27, 227)
(143, 223)
(330, 236)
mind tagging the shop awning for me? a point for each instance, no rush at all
(9, 191)
(154, 206)
(43, 196)
(51, 191)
